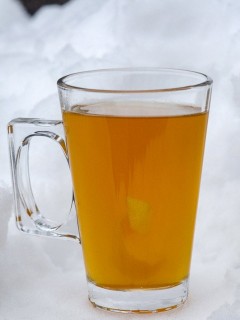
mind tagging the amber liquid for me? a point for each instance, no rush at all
(136, 177)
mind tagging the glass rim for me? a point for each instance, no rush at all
(206, 80)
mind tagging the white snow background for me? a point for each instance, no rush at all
(44, 278)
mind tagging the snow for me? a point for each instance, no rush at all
(44, 278)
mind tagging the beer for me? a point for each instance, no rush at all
(136, 172)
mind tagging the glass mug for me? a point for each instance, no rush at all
(135, 142)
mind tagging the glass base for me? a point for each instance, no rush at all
(139, 300)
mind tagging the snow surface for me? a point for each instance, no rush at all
(43, 278)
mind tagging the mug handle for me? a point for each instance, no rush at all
(29, 219)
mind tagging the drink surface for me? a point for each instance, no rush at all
(136, 172)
